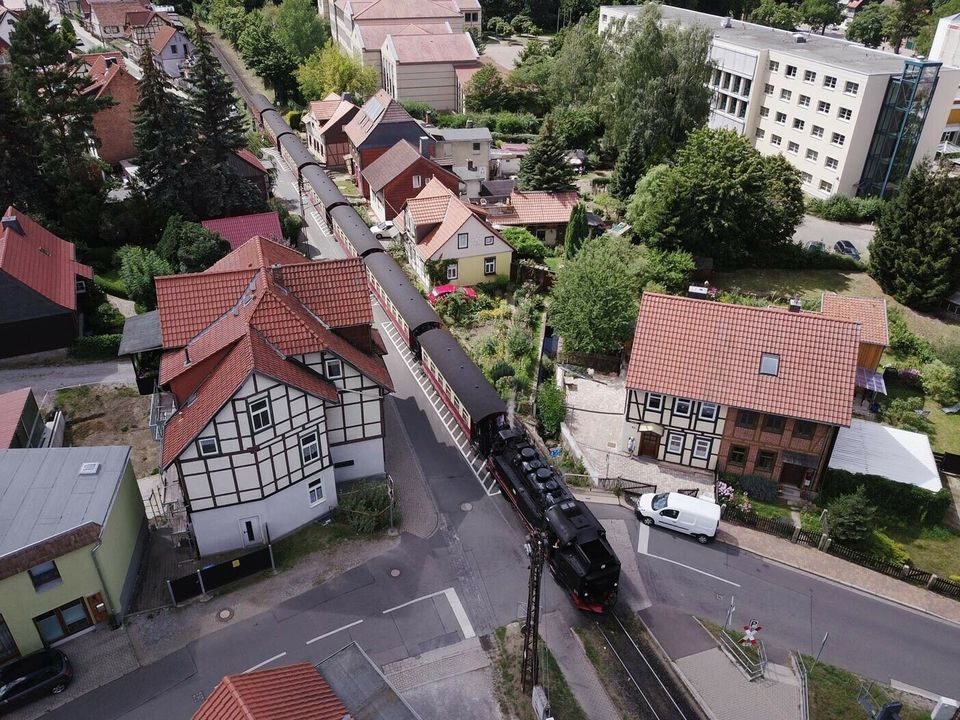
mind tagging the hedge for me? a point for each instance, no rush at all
(96, 347)
(794, 257)
(899, 500)
(111, 287)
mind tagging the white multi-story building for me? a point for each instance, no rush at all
(946, 49)
(852, 120)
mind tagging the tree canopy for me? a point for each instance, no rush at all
(869, 25)
(486, 91)
(776, 15)
(545, 166)
(329, 70)
(299, 29)
(915, 253)
(525, 244)
(577, 231)
(818, 14)
(271, 59)
(721, 199)
(189, 247)
(138, 267)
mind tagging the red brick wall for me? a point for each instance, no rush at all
(401, 188)
(114, 126)
(367, 156)
(756, 439)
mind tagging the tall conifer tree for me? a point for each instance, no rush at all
(545, 167)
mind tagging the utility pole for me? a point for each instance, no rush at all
(535, 546)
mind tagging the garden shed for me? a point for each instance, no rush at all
(899, 455)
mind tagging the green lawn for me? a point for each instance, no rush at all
(944, 431)
(773, 511)
(834, 693)
(935, 549)
(309, 540)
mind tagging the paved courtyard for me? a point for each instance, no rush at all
(594, 421)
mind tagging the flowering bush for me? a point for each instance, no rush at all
(724, 492)
(728, 495)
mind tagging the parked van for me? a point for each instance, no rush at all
(676, 511)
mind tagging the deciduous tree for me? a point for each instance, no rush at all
(487, 91)
(545, 166)
(915, 253)
(271, 59)
(138, 267)
(904, 21)
(329, 70)
(189, 247)
(869, 25)
(299, 29)
(776, 15)
(818, 14)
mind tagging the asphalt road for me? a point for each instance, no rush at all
(873, 637)
(46, 379)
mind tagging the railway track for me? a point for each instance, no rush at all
(657, 693)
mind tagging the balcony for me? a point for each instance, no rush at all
(162, 407)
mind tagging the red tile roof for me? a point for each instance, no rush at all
(101, 72)
(162, 38)
(372, 36)
(11, 410)
(240, 228)
(294, 692)
(397, 160)
(538, 207)
(41, 260)
(251, 159)
(113, 13)
(406, 10)
(252, 311)
(323, 110)
(711, 351)
(871, 313)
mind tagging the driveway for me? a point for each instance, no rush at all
(814, 229)
(48, 378)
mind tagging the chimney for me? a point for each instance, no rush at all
(10, 222)
(276, 272)
(186, 355)
(346, 96)
(726, 22)
(795, 304)
(426, 118)
(425, 146)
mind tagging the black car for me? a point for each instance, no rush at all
(41, 673)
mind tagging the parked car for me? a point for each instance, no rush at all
(693, 516)
(385, 230)
(44, 672)
(845, 247)
(442, 290)
(814, 246)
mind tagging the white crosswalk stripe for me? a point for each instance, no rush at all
(476, 463)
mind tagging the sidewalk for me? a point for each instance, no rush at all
(817, 563)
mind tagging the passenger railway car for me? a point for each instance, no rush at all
(580, 557)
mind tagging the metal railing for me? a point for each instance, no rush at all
(162, 407)
(804, 686)
(753, 669)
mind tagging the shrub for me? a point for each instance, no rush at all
(104, 320)
(519, 342)
(524, 243)
(881, 545)
(96, 347)
(111, 287)
(908, 503)
(293, 119)
(850, 517)
(551, 409)
(760, 487)
(523, 24)
(939, 382)
(501, 369)
(904, 343)
(417, 108)
(904, 413)
(511, 122)
(793, 257)
(368, 507)
(841, 208)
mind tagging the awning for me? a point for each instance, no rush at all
(141, 333)
(795, 458)
(650, 427)
(898, 455)
(871, 380)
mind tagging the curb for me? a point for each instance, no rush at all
(851, 586)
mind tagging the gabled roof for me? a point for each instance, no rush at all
(428, 48)
(437, 205)
(11, 410)
(111, 12)
(162, 38)
(538, 207)
(711, 351)
(379, 110)
(343, 114)
(240, 228)
(465, 134)
(397, 160)
(293, 692)
(871, 313)
(103, 68)
(250, 159)
(40, 260)
(405, 10)
(372, 36)
(252, 312)
(322, 110)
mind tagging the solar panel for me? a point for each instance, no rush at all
(374, 108)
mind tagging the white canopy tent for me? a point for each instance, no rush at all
(875, 449)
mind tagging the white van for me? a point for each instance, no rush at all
(689, 515)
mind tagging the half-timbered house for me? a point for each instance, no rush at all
(278, 382)
(739, 389)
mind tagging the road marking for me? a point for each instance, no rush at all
(643, 541)
(458, 610)
(334, 632)
(913, 690)
(265, 662)
(696, 570)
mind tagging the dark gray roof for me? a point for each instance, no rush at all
(416, 311)
(21, 302)
(496, 188)
(141, 333)
(298, 153)
(43, 494)
(362, 688)
(356, 230)
(327, 191)
(470, 385)
(275, 123)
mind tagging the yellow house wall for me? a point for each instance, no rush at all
(470, 269)
(120, 541)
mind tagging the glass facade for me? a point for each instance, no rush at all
(898, 129)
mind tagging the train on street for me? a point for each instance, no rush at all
(579, 556)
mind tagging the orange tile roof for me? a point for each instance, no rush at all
(711, 351)
(238, 229)
(11, 410)
(252, 311)
(41, 260)
(293, 692)
(538, 207)
(323, 110)
(437, 205)
(871, 313)
(164, 35)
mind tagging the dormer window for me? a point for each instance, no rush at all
(769, 364)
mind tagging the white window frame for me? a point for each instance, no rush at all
(463, 241)
(791, 71)
(823, 107)
(699, 443)
(845, 114)
(776, 140)
(838, 139)
(688, 407)
(768, 89)
(308, 440)
(208, 453)
(764, 111)
(816, 131)
(851, 88)
(672, 438)
(488, 240)
(766, 358)
(829, 82)
(256, 413)
(333, 368)
(806, 177)
(490, 266)
(708, 411)
(417, 181)
(653, 401)
(798, 124)
(452, 271)
(780, 118)
(826, 186)
(831, 163)
(785, 95)
(804, 101)
(315, 495)
(774, 66)
(760, 133)
(793, 148)
(809, 76)
(812, 155)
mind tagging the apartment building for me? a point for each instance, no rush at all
(851, 119)
(346, 15)
(465, 152)
(946, 49)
